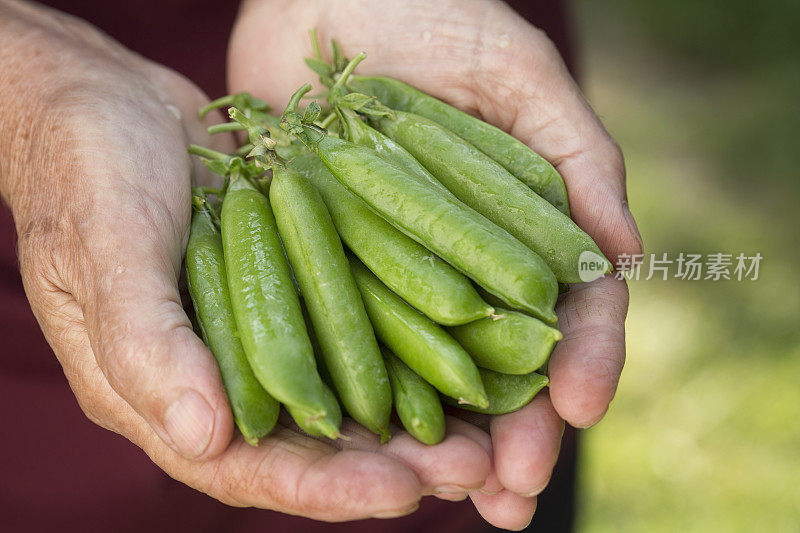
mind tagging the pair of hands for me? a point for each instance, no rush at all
(95, 169)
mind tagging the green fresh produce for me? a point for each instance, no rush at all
(266, 305)
(334, 305)
(408, 268)
(458, 234)
(254, 410)
(327, 426)
(508, 342)
(481, 183)
(507, 393)
(359, 132)
(415, 401)
(421, 344)
(526, 165)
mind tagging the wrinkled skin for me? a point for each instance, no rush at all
(94, 168)
(483, 58)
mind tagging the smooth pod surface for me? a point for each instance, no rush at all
(419, 276)
(326, 426)
(508, 342)
(265, 302)
(416, 401)
(361, 133)
(254, 410)
(515, 156)
(483, 184)
(342, 329)
(507, 392)
(475, 246)
(423, 345)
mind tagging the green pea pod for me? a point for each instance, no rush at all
(509, 342)
(526, 165)
(266, 304)
(506, 392)
(334, 305)
(327, 426)
(481, 183)
(415, 400)
(458, 234)
(461, 236)
(254, 410)
(420, 277)
(420, 343)
(361, 133)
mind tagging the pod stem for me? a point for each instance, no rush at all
(230, 167)
(225, 127)
(348, 70)
(201, 204)
(315, 43)
(208, 153)
(215, 104)
(242, 100)
(263, 145)
(325, 124)
(294, 101)
(302, 126)
(258, 134)
(244, 150)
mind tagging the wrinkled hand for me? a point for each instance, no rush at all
(93, 163)
(482, 57)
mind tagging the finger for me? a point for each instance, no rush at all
(586, 364)
(455, 424)
(505, 510)
(540, 104)
(287, 472)
(526, 444)
(449, 469)
(140, 335)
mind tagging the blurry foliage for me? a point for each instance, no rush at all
(704, 99)
(719, 33)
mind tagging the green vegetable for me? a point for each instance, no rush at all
(266, 305)
(327, 426)
(507, 393)
(415, 401)
(421, 344)
(346, 106)
(254, 410)
(481, 183)
(526, 165)
(509, 342)
(408, 268)
(334, 305)
(465, 239)
(359, 132)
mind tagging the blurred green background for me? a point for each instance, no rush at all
(704, 433)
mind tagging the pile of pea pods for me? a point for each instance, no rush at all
(386, 251)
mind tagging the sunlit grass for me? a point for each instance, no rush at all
(703, 434)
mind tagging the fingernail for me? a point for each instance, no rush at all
(452, 489)
(452, 496)
(626, 211)
(490, 492)
(537, 491)
(189, 422)
(396, 513)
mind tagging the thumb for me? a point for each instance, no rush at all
(144, 344)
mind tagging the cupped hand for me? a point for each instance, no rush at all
(95, 170)
(482, 57)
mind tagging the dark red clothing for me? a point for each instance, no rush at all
(61, 471)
